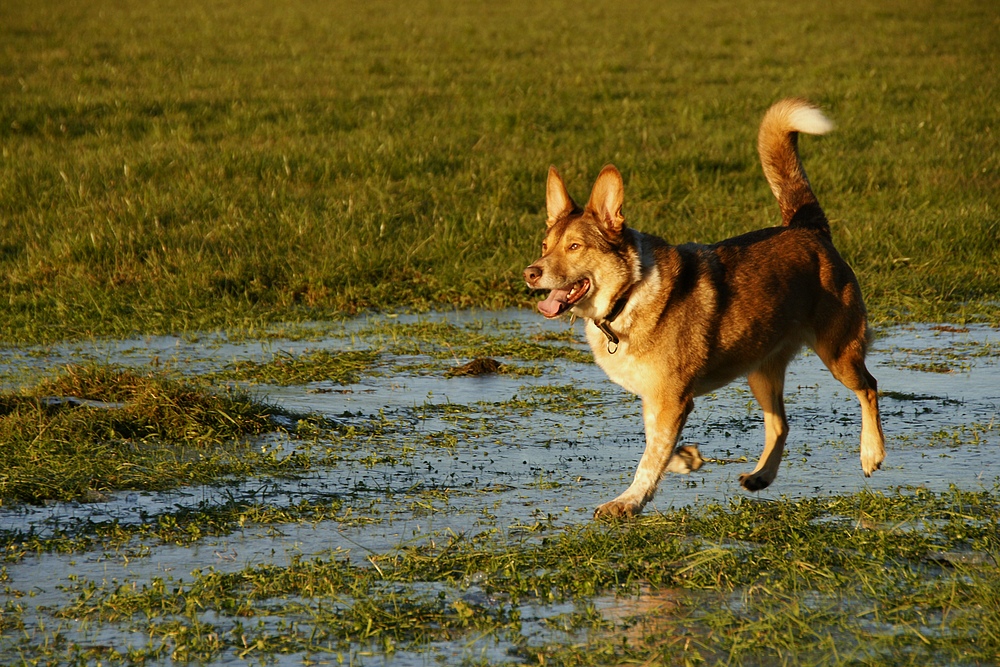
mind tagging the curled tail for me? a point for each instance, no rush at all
(777, 143)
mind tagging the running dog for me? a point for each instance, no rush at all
(670, 323)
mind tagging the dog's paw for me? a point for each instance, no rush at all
(871, 459)
(685, 459)
(871, 465)
(617, 509)
(755, 481)
(872, 449)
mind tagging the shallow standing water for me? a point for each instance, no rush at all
(512, 452)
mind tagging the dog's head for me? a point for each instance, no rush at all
(581, 262)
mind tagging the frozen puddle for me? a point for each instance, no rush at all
(511, 453)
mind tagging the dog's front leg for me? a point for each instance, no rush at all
(663, 421)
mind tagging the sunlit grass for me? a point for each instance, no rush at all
(181, 166)
(171, 166)
(904, 578)
(97, 429)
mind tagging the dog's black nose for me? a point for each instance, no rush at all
(532, 274)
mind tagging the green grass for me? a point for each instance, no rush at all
(443, 340)
(904, 578)
(97, 429)
(179, 167)
(182, 166)
(286, 369)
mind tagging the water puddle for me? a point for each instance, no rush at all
(519, 453)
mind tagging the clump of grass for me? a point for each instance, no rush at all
(158, 407)
(95, 429)
(476, 367)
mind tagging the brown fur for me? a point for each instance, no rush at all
(670, 323)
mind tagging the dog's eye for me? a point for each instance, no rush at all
(545, 246)
(573, 246)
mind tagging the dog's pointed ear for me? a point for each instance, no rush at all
(558, 203)
(606, 200)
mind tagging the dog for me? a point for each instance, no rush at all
(672, 322)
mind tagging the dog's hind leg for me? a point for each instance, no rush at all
(768, 386)
(848, 365)
(664, 422)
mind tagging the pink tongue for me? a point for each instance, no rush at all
(555, 303)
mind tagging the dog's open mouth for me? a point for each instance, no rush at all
(560, 299)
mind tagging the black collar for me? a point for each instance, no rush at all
(605, 324)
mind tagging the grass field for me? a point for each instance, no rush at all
(189, 167)
(176, 166)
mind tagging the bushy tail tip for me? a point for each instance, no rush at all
(777, 143)
(804, 116)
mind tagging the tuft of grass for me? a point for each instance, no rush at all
(96, 429)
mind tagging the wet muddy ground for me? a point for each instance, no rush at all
(508, 453)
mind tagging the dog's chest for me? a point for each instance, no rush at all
(622, 366)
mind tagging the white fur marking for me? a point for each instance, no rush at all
(809, 120)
